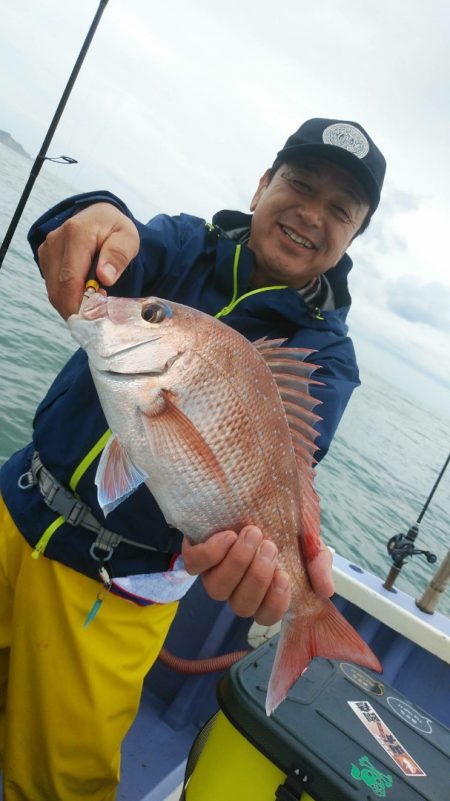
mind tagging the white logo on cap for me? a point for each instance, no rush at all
(341, 134)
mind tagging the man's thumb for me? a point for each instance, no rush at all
(107, 273)
(116, 253)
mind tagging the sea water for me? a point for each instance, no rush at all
(381, 466)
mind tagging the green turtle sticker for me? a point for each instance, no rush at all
(368, 773)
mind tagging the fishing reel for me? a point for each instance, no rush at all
(400, 546)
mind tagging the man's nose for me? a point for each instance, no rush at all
(310, 210)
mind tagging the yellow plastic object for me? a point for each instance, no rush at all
(92, 284)
(230, 767)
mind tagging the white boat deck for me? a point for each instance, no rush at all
(395, 609)
(175, 796)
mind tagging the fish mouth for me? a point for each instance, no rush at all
(127, 348)
(126, 373)
(134, 374)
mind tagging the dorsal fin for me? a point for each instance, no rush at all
(303, 401)
(292, 375)
(263, 343)
(289, 383)
(305, 434)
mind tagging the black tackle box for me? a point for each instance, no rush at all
(341, 735)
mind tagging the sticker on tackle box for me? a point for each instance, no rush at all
(383, 735)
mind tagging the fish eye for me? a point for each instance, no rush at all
(153, 313)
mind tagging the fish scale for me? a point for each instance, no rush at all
(249, 491)
(197, 414)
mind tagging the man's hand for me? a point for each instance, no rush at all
(67, 253)
(242, 569)
(320, 572)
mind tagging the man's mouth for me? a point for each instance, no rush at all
(297, 238)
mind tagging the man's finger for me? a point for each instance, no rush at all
(205, 555)
(221, 581)
(320, 573)
(71, 279)
(252, 588)
(276, 601)
(64, 263)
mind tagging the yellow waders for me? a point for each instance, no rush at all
(68, 694)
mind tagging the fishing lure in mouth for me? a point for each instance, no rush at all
(92, 285)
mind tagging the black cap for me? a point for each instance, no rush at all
(345, 143)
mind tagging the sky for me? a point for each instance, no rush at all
(182, 106)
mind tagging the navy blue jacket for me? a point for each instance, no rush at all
(187, 260)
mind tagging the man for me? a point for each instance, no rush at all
(281, 274)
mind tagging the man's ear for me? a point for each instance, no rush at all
(263, 182)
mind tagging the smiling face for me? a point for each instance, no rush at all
(304, 219)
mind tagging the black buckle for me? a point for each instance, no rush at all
(283, 794)
(26, 480)
(103, 547)
(76, 514)
(61, 500)
(292, 788)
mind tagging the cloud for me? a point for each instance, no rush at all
(385, 233)
(413, 343)
(427, 303)
(396, 201)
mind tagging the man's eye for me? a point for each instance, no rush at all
(343, 213)
(301, 185)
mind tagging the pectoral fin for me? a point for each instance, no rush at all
(172, 432)
(117, 476)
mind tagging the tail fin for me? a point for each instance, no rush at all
(327, 634)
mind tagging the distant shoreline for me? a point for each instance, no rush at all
(7, 139)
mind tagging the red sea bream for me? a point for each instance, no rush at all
(221, 431)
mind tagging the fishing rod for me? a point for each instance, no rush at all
(400, 546)
(42, 155)
(429, 600)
